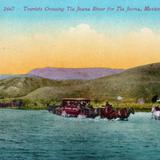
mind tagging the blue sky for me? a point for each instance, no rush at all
(150, 19)
(63, 39)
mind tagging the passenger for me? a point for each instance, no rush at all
(79, 107)
(109, 107)
(68, 103)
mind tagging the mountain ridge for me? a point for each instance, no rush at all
(73, 73)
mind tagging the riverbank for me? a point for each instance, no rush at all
(41, 104)
(146, 107)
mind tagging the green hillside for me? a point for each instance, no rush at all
(135, 83)
(139, 82)
(22, 86)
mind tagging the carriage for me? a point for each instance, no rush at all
(74, 107)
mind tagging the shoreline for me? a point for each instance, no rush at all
(42, 109)
(25, 104)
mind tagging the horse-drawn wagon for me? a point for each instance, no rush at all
(82, 108)
(74, 107)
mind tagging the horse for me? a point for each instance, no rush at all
(112, 115)
(53, 108)
(156, 113)
(109, 113)
(124, 113)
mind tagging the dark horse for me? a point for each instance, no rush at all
(124, 113)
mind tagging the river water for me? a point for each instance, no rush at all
(39, 135)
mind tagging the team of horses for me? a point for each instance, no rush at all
(111, 113)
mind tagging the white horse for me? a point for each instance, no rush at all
(155, 113)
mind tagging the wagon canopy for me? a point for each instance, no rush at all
(76, 99)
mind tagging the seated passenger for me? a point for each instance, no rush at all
(108, 107)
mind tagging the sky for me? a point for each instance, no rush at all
(109, 38)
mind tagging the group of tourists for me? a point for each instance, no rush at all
(76, 104)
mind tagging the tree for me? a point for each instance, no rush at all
(154, 98)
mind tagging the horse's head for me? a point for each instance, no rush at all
(131, 110)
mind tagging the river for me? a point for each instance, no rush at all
(39, 135)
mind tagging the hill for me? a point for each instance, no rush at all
(138, 82)
(134, 83)
(22, 86)
(74, 73)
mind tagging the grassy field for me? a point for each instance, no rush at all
(138, 107)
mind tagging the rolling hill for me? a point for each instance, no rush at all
(139, 82)
(22, 86)
(134, 83)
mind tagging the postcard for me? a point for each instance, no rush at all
(79, 79)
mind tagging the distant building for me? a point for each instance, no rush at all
(141, 101)
(119, 98)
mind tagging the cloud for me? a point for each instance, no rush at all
(77, 44)
(82, 31)
(82, 34)
(140, 47)
(80, 46)
(133, 48)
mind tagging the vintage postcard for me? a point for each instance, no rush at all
(79, 79)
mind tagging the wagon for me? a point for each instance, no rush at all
(74, 107)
